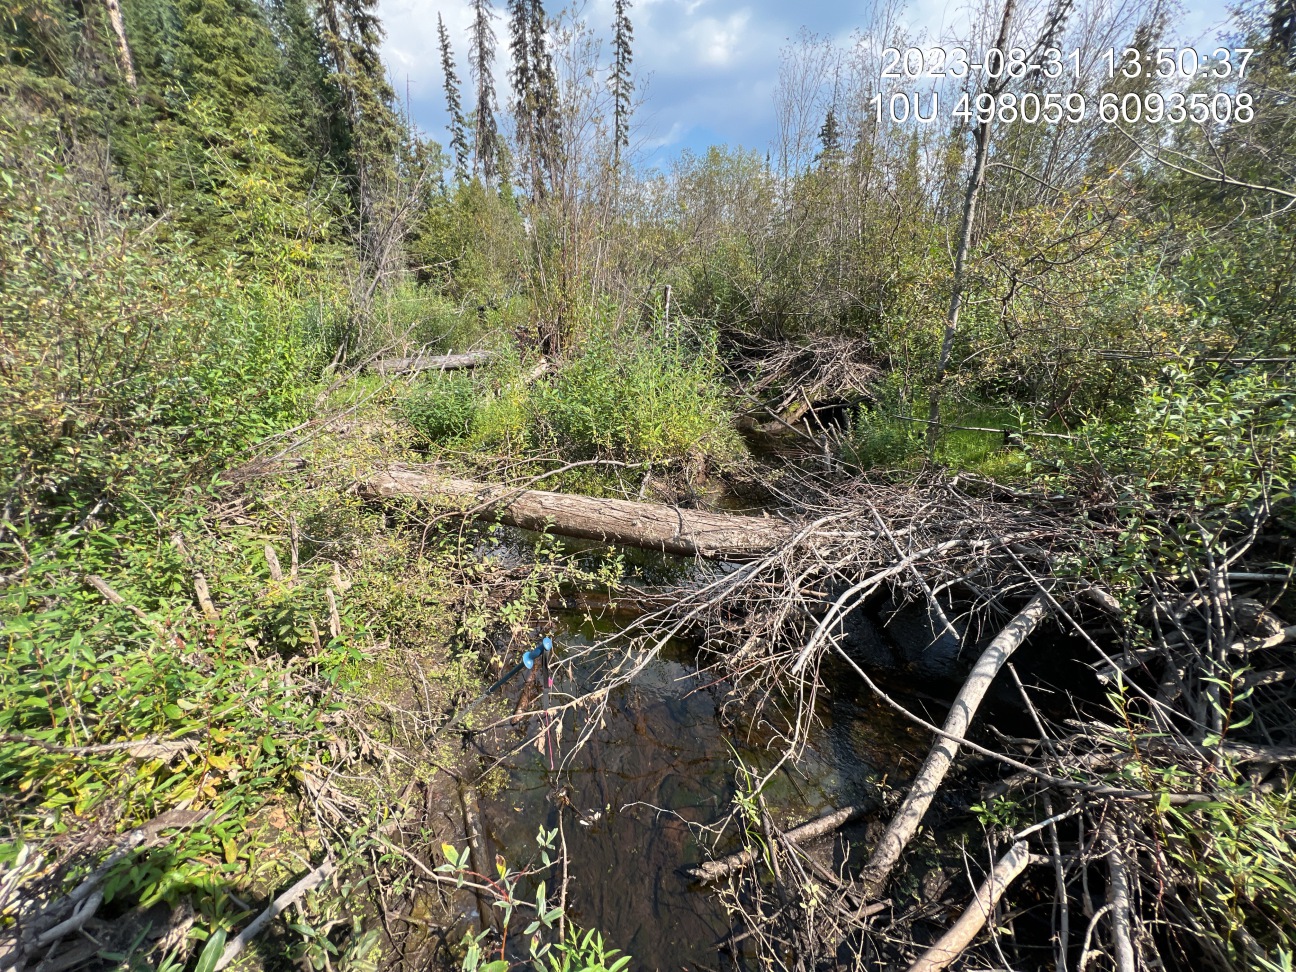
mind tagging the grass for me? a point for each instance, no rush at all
(880, 440)
(408, 317)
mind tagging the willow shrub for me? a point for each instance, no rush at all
(645, 397)
(127, 368)
(129, 377)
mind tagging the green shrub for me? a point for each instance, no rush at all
(443, 406)
(468, 243)
(1209, 443)
(128, 370)
(1195, 457)
(877, 440)
(76, 670)
(503, 421)
(651, 397)
(412, 317)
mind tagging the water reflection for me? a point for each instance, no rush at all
(663, 760)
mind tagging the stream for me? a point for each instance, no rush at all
(660, 766)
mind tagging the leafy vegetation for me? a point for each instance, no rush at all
(648, 399)
(212, 215)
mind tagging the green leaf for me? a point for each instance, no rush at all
(211, 952)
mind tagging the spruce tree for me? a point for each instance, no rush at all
(520, 73)
(1282, 31)
(534, 91)
(352, 35)
(829, 140)
(318, 131)
(213, 82)
(481, 62)
(458, 141)
(543, 98)
(622, 82)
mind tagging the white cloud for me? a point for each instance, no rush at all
(708, 66)
(717, 41)
(672, 137)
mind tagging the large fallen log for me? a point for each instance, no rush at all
(417, 363)
(651, 526)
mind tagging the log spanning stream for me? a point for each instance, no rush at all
(666, 759)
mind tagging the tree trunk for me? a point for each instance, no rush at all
(714, 870)
(1118, 896)
(417, 363)
(951, 945)
(929, 778)
(975, 183)
(652, 526)
(124, 58)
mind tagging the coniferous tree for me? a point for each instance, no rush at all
(353, 35)
(543, 98)
(622, 82)
(213, 88)
(829, 139)
(318, 134)
(1282, 30)
(534, 91)
(520, 73)
(458, 141)
(481, 62)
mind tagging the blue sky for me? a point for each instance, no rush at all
(707, 68)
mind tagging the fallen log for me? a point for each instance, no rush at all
(416, 363)
(715, 870)
(477, 853)
(905, 824)
(960, 935)
(651, 526)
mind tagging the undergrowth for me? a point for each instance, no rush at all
(651, 399)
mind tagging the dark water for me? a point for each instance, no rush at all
(664, 760)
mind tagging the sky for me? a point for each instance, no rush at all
(706, 69)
